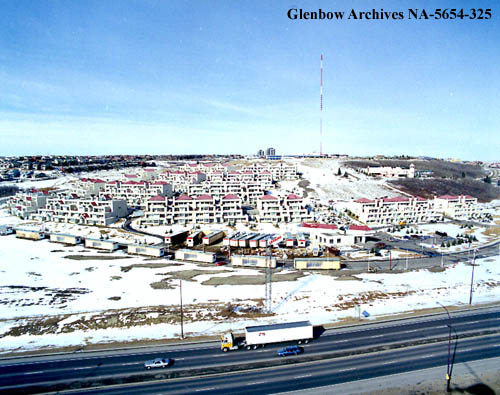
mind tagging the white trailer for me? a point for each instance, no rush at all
(228, 238)
(234, 242)
(30, 234)
(254, 241)
(177, 237)
(260, 335)
(141, 249)
(301, 240)
(108, 245)
(65, 238)
(243, 242)
(317, 263)
(253, 260)
(213, 237)
(196, 256)
(194, 238)
(263, 242)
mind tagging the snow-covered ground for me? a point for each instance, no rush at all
(323, 178)
(35, 275)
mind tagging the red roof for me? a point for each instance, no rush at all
(149, 169)
(268, 197)
(157, 199)
(293, 197)
(360, 227)
(130, 183)
(28, 197)
(85, 215)
(209, 164)
(265, 172)
(234, 172)
(184, 197)
(161, 183)
(230, 196)
(396, 199)
(363, 200)
(93, 204)
(204, 197)
(318, 226)
(130, 176)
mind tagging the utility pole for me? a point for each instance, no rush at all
(268, 281)
(442, 261)
(182, 313)
(390, 259)
(406, 260)
(448, 370)
(472, 277)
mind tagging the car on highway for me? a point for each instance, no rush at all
(290, 350)
(158, 363)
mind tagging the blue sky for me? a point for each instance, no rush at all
(94, 77)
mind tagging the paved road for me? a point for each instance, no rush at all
(22, 372)
(319, 374)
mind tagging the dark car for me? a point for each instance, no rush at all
(290, 350)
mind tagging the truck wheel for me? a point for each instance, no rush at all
(299, 342)
(249, 347)
(255, 347)
(225, 349)
(307, 341)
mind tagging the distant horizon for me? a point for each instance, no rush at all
(312, 155)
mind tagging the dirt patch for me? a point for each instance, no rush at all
(163, 284)
(436, 269)
(252, 280)
(188, 275)
(492, 231)
(94, 257)
(116, 277)
(126, 269)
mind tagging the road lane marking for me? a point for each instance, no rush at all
(346, 370)
(257, 383)
(303, 376)
(40, 371)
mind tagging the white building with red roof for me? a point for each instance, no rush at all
(136, 193)
(201, 209)
(87, 211)
(24, 204)
(274, 209)
(394, 211)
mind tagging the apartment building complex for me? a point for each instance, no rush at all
(457, 207)
(87, 210)
(202, 209)
(396, 210)
(290, 208)
(24, 204)
(408, 210)
(136, 193)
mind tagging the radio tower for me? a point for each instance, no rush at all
(321, 107)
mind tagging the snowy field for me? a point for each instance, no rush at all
(327, 185)
(49, 300)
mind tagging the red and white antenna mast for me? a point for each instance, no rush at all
(321, 107)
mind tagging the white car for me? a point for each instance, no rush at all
(158, 363)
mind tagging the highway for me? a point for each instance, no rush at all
(318, 374)
(67, 370)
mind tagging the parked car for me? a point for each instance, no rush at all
(220, 263)
(158, 363)
(290, 350)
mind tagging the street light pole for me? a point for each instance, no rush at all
(472, 277)
(448, 370)
(182, 313)
(406, 260)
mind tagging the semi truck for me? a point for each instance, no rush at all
(260, 335)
